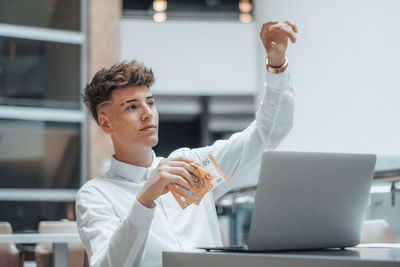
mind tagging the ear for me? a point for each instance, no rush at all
(104, 123)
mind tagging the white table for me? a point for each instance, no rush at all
(351, 257)
(59, 241)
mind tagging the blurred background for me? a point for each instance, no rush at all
(210, 69)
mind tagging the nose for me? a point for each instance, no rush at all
(147, 113)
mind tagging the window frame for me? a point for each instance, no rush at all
(52, 114)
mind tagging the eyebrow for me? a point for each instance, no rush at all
(134, 100)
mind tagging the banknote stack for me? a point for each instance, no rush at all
(210, 176)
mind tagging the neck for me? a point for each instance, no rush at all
(139, 156)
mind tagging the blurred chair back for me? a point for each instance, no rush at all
(223, 237)
(44, 251)
(9, 253)
(377, 231)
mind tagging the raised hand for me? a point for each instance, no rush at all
(274, 36)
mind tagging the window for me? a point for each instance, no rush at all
(39, 154)
(189, 9)
(186, 131)
(55, 14)
(25, 215)
(186, 5)
(38, 73)
(43, 123)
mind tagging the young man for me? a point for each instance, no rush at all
(127, 217)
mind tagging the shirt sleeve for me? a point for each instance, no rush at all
(239, 156)
(108, 240)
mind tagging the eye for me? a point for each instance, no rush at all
(150, 103)
(132, 107)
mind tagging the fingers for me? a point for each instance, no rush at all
(182, 162)
(178, 159)
(172, 178)
(178, 167)
(184, 165)
(182, 172)
(177, 163)
(270, 23)
(194, 171)
(187, 166)
(291, 24)
(266, 26)
(284, 28)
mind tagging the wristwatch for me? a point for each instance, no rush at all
(277, 69)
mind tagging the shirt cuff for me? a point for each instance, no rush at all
(140, 215)
(278, 81)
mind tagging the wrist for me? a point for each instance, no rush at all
(142, 199)
(276, 62)
(276, 69)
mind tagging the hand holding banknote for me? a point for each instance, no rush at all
(169, 171)
(208, 176)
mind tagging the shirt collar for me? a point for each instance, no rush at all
(132, 172)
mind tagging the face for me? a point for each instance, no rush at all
(130, 117)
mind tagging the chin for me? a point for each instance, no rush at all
(153, 143)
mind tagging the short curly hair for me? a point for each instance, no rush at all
(106, 80)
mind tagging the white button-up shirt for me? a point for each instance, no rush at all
(117, 230)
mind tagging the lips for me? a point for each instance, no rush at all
(148, 127)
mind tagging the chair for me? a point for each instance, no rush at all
(377, 231)
(223, 237)
(9, 253)
(44, 251)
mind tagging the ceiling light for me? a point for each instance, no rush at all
(245, 6)
(159, 16)
(160, 5)
(245, 17)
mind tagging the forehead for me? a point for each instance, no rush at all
(130, 92)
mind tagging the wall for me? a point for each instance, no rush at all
(345, 65)
(193, 57)
(103, 50)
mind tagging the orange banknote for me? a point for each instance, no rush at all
(209, 176)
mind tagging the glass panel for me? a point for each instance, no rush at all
(231, 10)
(25, 216)
(204, 6)
(238, 218)
(56, 14)
(39, 154)
(186, 5)
(37, 73)
(186, 134)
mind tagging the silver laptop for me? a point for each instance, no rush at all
(309, 200)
